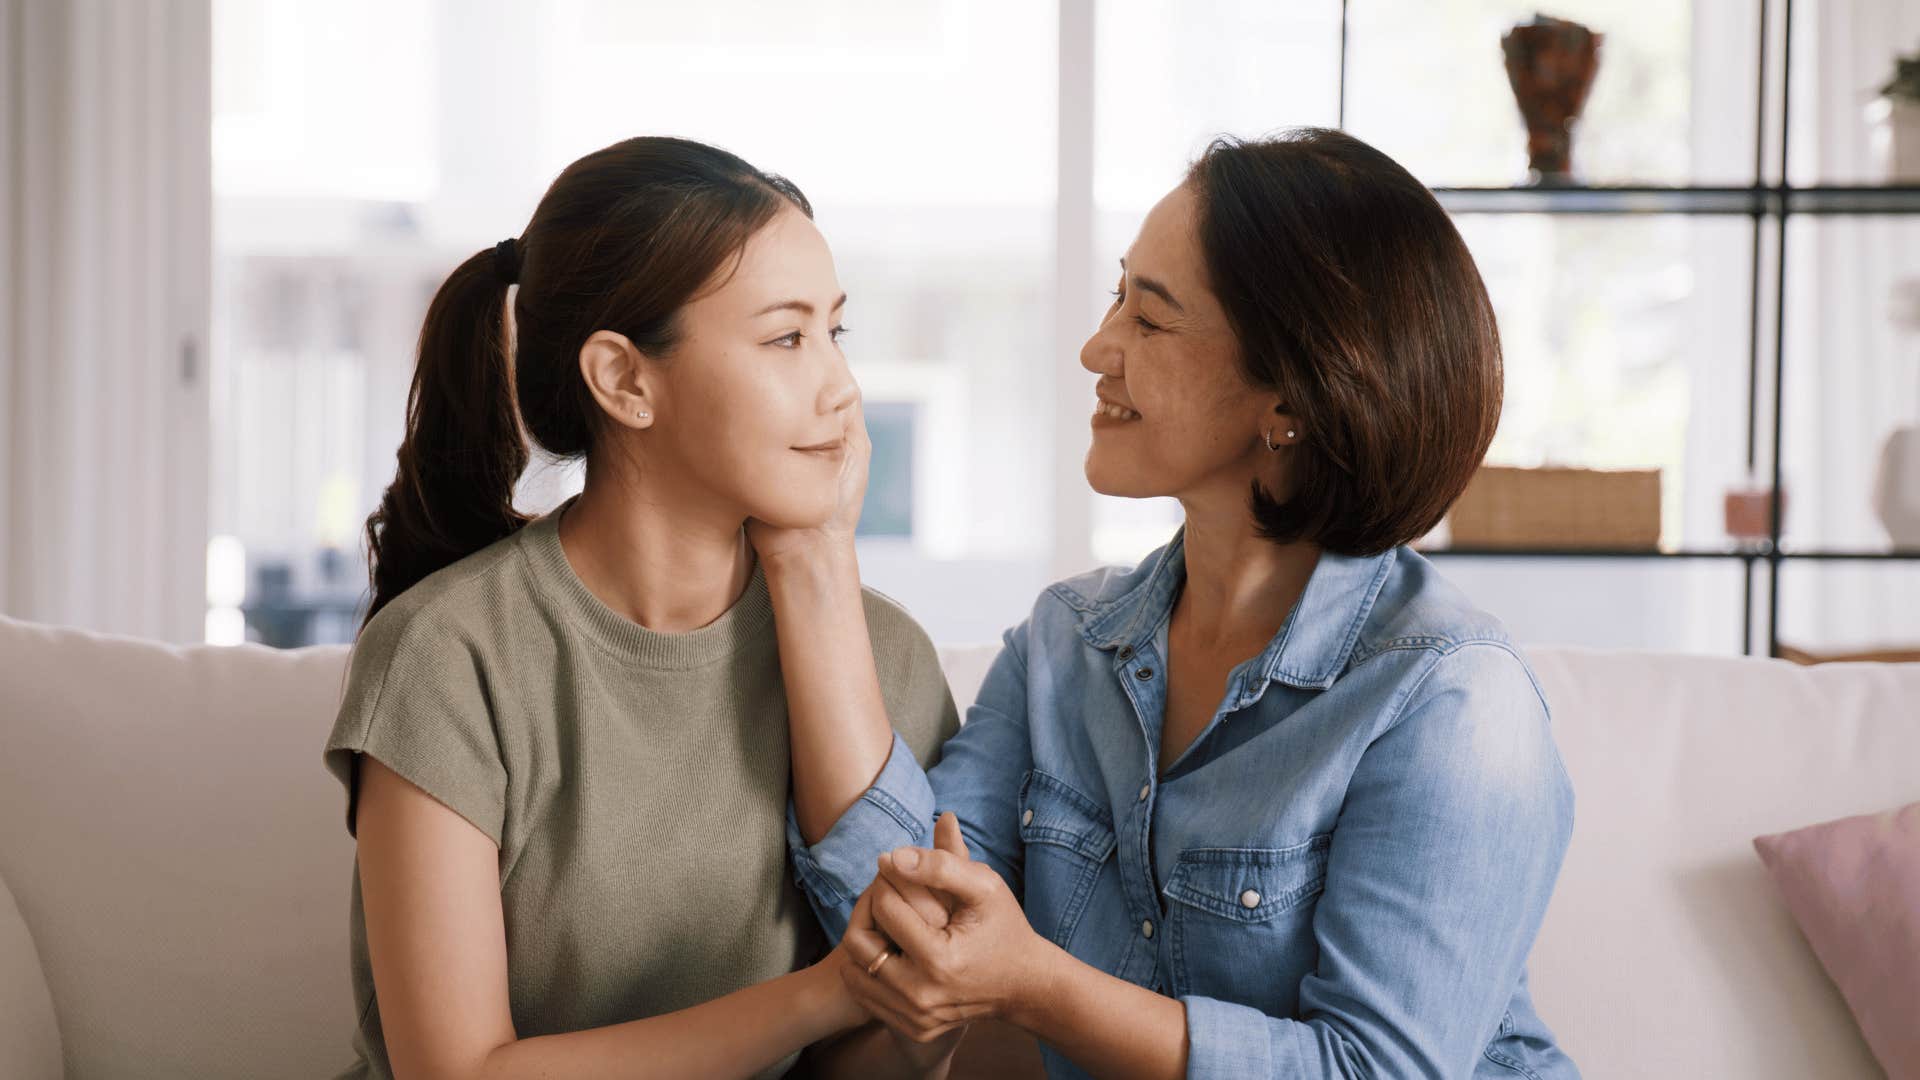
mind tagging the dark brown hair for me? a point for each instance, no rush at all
(1354, 298)
(622, 241)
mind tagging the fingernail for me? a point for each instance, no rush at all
(906, 858)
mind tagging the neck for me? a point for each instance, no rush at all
(671, 564)
(1239, 585)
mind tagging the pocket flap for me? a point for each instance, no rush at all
(1052, 812)
(1250, 884)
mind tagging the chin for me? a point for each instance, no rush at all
(1118, 479)
(786, 512)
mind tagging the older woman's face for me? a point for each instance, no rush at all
(1175, 415)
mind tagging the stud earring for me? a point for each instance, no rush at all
(642, 415)
(1289, 434)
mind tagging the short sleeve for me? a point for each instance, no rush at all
(913, 684)
(416, 700)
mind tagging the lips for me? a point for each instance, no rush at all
(824, 447)
(1114, 410)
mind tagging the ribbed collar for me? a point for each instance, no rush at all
(748, 620)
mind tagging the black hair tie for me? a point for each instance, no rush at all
(506, 261)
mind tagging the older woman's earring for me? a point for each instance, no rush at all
(1268, 435)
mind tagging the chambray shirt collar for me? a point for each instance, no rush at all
(1309, 651)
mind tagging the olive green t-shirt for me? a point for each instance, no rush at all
(635, 782)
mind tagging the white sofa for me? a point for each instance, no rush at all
(180, 865)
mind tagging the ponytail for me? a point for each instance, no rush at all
(463, 452)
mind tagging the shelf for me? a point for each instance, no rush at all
(1648, 553)
(1854, 200)
(1862, 199)
(1581, 553)
(1853, 556)
(1764, 206)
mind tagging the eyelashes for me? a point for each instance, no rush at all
(1141, 321)
(792, 341)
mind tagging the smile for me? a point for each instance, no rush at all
(1114, 412)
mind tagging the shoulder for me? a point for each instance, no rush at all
(1449, 666)
(912, 679)
(1086, 594)
(1092, 604)
(894, 630)
(440, 623)
(1419, 610)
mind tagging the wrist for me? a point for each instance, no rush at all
(829, 997)
(825, 562)
(1037, 984)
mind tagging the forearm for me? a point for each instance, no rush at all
(1107, 1026)
(873, 1051)
(736, 1035)
(837, 721)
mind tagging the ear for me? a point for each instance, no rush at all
(1286, 426)
(621, 379)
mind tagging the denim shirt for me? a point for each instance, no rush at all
(1340, 876)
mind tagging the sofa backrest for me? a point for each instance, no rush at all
(1666, 949)
(190, 906)
(178, 851)
(29, 1034)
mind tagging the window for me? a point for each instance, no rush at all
(929, 137)
(923, 133)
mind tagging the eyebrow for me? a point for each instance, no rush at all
(800, 306)
(1153, 287)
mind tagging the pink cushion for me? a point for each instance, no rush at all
(1853, 885)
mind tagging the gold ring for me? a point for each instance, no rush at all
(874, 968)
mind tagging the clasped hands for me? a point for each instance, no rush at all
(937, 941)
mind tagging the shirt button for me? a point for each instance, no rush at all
(1026, 818)
(1144, 790)
(1143, 674)
(1250, 899)
(1146, 928)
(1126, 653)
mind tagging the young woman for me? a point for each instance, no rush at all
(1279, 801)
(564, 740)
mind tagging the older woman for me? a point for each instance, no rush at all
(1278, 801)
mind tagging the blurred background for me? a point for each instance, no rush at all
(1723, 296)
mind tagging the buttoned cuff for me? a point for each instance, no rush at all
(897, 811)
(1227, 1041)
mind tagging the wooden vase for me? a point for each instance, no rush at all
(1550, 65)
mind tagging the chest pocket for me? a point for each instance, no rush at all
(1069, 842)
(1241, 922)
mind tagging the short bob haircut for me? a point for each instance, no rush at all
(1354, 298)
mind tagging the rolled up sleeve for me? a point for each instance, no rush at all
(976, 778)
(896, 811)
(1443, 859)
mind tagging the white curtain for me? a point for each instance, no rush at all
(105, 267)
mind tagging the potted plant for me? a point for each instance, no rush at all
(1895, 118)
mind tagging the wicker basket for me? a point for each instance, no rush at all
(1558, 508)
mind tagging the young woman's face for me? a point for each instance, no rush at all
(749, 414)
(1175, 415)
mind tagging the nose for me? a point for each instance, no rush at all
(1101, 354)
(840, 391)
